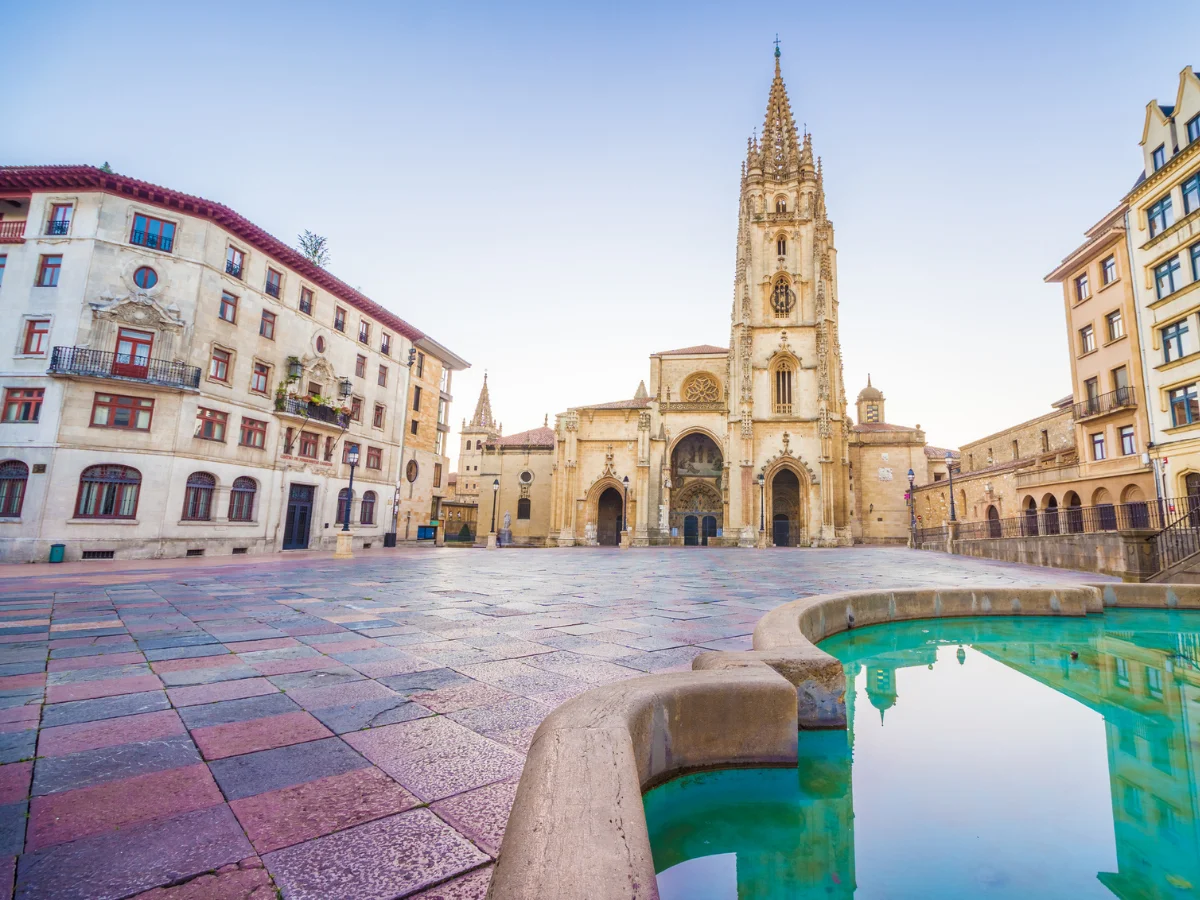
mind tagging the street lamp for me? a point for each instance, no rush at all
(495, 496)
(352, 459)
(762, 503)
(912, 503)
(625, 505)
(950, 475)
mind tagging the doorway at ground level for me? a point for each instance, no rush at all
(298, 519)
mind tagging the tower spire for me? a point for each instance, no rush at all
(483, 409)
(780, 146)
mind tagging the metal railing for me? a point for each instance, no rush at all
(1180, 538)
(58, 226)
(300, 406)
(153, 241)
(234, 269)
(272, 289)
(1143, 515)
(1121, 398)
(935, 533)
(101, 364)
(12, 232)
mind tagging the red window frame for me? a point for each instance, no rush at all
(37, 336)
(309, 444)
(374, 458)
(219, 362)
(360, 366)
(366, 509)
(385, 344)
(347, 447)
(356, 409)
(49, 266)
(132, 356)
(253, 434)
(116, 482)
(23, 404)
(266, 328)
(14, 476)
(118, 406)
(211, 424)
(306, 301)
(260, 378)
(274, 283)
(364, 332)
(157, 234)
(241, 499)
(228, 309)
(380, 412)
(339, 319)
(344, 506)
(198, 497)
(235, 262)
(383, 376)
(60, 213)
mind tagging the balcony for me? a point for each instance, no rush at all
(12, 232)
(153, 241)
(272, 289)
(82, 361)
(58, 227)
(306, 409)
(1103, 404)
(234, 269)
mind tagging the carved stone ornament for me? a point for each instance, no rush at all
(701, 388)
(138, 310)
(783, 298)
(609, 468)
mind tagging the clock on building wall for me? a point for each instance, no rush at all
(411, 470)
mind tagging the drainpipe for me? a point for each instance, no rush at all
(1137, 315)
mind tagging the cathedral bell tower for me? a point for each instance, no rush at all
(787, 401)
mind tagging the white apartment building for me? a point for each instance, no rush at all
(178, 382)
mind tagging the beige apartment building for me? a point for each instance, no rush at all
(180, 383)
(1164, 240)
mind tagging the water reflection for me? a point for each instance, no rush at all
(1007, 800)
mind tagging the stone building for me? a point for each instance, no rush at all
(182, 383)
(1163, 225)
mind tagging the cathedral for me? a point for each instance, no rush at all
(746, 445)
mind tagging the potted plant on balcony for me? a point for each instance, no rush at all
(281, 396)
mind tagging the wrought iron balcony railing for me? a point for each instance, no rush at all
(123, 367)
(58, 226)
(153, 241)
(305, 408)
(234, 269)
(12, 231)
(272, 289)
(1103, 404)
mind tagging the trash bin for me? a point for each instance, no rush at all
(389, 539)
(57, 552)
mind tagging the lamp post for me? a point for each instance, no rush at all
(491, 539)
(345, 545)
(912, 506)
(624, 538)
(950, 475)
(762, 510)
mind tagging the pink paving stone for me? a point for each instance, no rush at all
(58, 643)
(461, 696)
(63, 739)
(341, 694)
(105, 687)
(95, 662)
(30, 713)
(288, 666)
(305, 811)
(223, 690)
(11, 727)
(8, 871)
(14, 782)
(70, 815)
(268, 644)
(16, 682)
(247, 880)
(480, 814)
(196, 662)
(345, 646)
(472, 886)
(236, 738)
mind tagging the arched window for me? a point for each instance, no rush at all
(108, 492)
(479, 445)
(781, 246)
(781, 204)
(366, 510)
(13, 476)
(241, 499)
(783, 388)
(342, 507)
(523, 508)
(783, 298)
(197, 502)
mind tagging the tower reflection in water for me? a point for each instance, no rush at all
(790, 833)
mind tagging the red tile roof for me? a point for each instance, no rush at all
(635, 403)
(534, 437)
(691, 351)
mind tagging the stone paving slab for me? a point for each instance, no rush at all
(359, 724)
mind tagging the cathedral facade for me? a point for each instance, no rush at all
(738, 445)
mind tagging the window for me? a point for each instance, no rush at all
(1185, 405)
(380, 412)
(23, 404)
(108, 492)
(1091, 388)
(360, 366)
(383, 375)
(417, 398)
(274, 283)
(1193, 129)
(133, 352)
(48, 269)
(781, 246)
(308, 445)
(210, 424)
(306, 301)
(1098, 446)
(197, 500)
(445, 381)
(442, 409)
(1115, 325)
(420, 365)
(1159, 216)
(437, 474)
(1195, 254)
(347, 447)
(339, 319)
(783, 388)
(412, 426)
(227, 311)
(1108, 270)
(1045, 441)
(153, 233)
(60, 219)
(218, 365)
(37, 336)
(356, 409)
(1172, 338)
(1128, 448)
(781, 205)
(235, 261)
(1165, 277)
(1016, 450)
(3, 263)
(254, 433)
(1159, 157)
(13, 476)
(1191, 194)
(523, 508)
(343, 506)
(260, 378)
(266, 328)
(241, 499)
(1087, 339)
(145, 278)
(117, 411)
(385, 344)
(1120, 377)
(364, 332)
(1081, 288)
(328, 449)
(439, 444)
(366, 509)
(374, 458)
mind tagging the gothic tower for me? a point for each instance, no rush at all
(476, 434)
(785, 362)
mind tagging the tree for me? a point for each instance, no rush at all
(315, 248)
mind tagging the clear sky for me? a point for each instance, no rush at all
(550, 189)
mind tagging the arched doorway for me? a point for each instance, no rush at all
(1074, 514)
(1050, 507)
(608, 518)
(1031, 517)
(1134, 509)
(709, 530)
(1191, 486)
(691, 531)
(785, 508)
(697, 505)
(993, 518)
(1106, 513)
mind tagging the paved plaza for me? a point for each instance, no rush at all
(210, 730)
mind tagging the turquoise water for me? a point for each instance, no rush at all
(981, 761)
